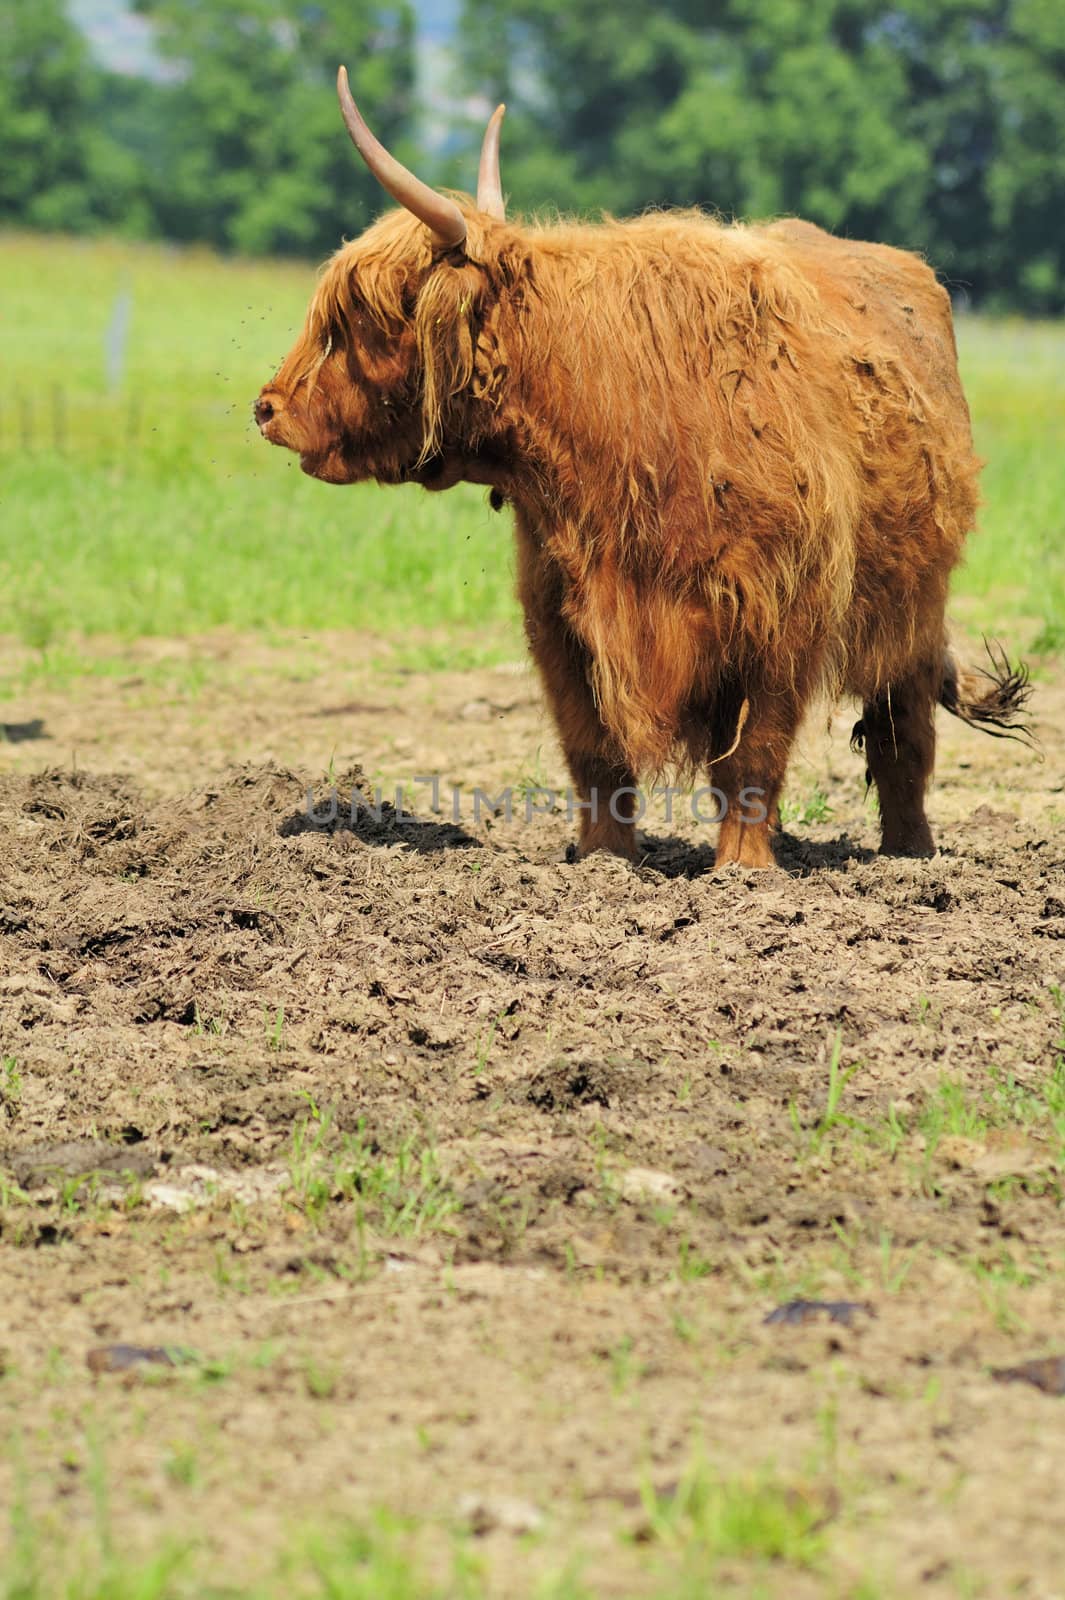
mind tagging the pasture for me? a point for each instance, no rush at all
(451, 1181)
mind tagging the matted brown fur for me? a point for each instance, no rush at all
(741, 467)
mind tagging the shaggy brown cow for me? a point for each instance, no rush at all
(739, 459)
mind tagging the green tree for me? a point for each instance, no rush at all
(253, 155)
(1026, 173)
(934, 124)
(59, 167)
(749, 106)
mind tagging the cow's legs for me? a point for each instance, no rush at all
(898, 726)
(607, 788)
(603, 781)
(752, 776)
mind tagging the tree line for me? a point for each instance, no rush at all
(938, 125)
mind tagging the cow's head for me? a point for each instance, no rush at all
(381, 379)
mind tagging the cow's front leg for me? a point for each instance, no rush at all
(750, 777)
(606, 791)
(604, 783)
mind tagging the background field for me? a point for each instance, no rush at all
(457, 1178)
(154, 508)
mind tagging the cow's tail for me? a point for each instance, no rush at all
(992, 699)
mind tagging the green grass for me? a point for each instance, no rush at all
(157, 510)
(813, 806)
(1014, 374)
(1032, 1108)
(712, 1519)
(707, 1526)
(398, 1192)
(832, 1117)
(377, 1560)
(10, 1084)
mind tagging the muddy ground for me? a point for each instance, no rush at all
(462, 1177)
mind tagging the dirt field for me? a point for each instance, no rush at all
(463, 1177)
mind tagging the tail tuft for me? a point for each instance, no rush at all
(992, 700)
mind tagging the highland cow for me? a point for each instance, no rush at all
(740, 464)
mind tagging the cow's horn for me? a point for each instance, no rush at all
(441, 216)
(489, 189)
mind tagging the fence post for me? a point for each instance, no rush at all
(116, 337)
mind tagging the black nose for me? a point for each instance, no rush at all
(263, 411)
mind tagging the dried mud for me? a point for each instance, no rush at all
(608, 1091)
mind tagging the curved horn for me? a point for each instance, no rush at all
(489, 189)
(441, 216)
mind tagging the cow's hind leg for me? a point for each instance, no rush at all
(898, 733)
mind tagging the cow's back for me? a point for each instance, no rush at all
(884, 299)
